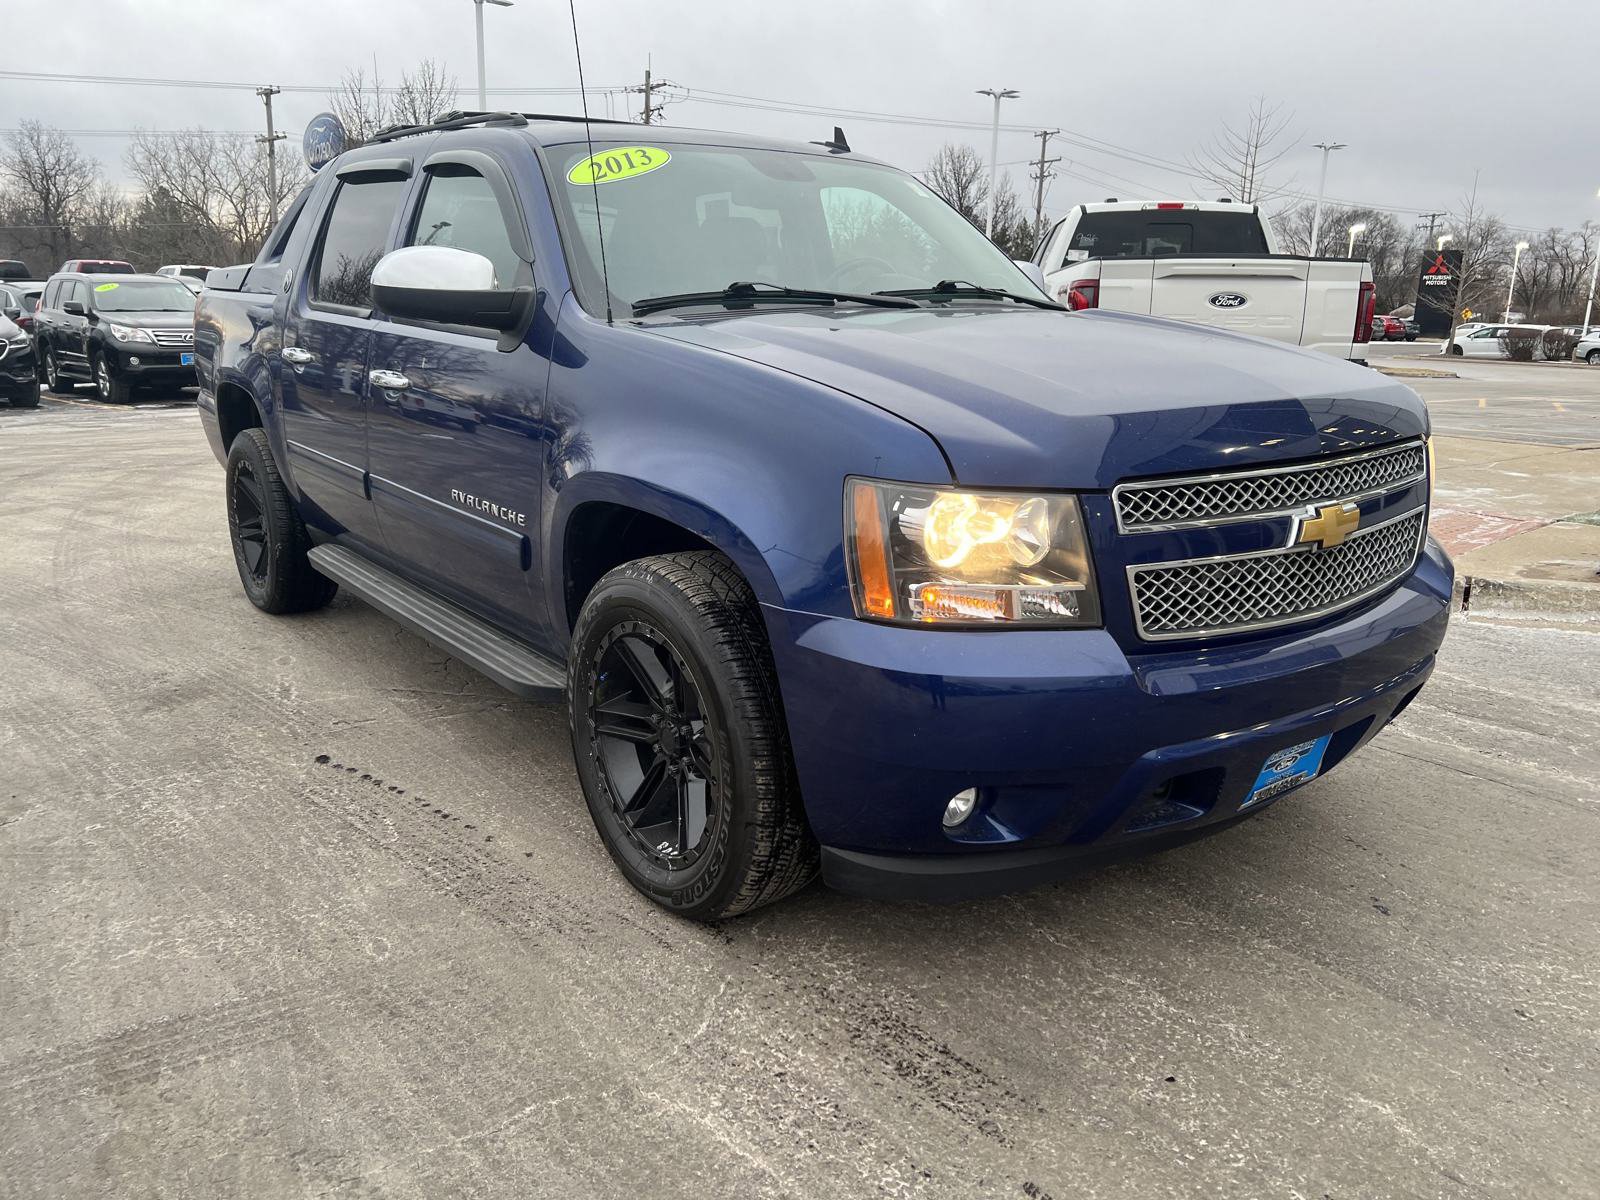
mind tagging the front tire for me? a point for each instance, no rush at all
(26, 399)
(269, 539)
(680, 740)
(1457, 351)
(110, 389)
(1593, 358)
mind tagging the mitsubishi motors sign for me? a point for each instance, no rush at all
(1437, 288)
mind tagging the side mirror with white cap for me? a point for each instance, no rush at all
(448, 285)
(1033, 272)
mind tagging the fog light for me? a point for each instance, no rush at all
(960, 807)
(133, 360)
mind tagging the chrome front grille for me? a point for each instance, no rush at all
(173, 337)
(1238, 592)
(1273, 491)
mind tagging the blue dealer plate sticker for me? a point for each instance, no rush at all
(1287, 769)
(186, 360)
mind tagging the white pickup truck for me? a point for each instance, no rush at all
(1209, 263)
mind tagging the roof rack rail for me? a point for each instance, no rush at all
(579, 119)
(450, 120)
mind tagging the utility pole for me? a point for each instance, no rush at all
(1042, 174)
(651, 86)
(1327, 148)
(1433, 219)
(271, 139)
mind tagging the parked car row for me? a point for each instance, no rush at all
(1481, 340)
(97, 321)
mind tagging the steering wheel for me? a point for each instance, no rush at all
(850, 265)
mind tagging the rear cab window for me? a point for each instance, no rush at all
(353, 239)
(1152, 233)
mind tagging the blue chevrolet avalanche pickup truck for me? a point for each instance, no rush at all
(848, 550)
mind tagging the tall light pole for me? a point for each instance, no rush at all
(483, 90)
(1327, 148)
(1594, 281)
(1358, 227)
(1512, 290)
(994, 151)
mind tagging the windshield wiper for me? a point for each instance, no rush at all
(741, 293)
(952, 289)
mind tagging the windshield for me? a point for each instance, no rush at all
(1146, 234)
(697, 218)
(144, 295)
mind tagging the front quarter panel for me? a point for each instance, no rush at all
(750, 458)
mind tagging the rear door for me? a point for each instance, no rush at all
(327, 339)
(454, 447)
(73, 336)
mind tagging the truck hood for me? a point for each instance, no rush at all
(1033, 398)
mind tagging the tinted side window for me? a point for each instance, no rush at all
(355, 238)
(52, 294)
(459, 210)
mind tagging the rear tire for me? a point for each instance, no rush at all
(680, 740)
(110, 389)
(52, 372)
(269, 539)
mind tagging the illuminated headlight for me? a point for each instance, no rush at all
(939, 556)
(127, 333)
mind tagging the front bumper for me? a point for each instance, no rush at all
(19, 372)
(1080, 753)
(155, 365)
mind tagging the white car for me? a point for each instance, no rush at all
(1588, 350)
(1484, 341)
(191, 274)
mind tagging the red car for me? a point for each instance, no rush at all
(1389, 328)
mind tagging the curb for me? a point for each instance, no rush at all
(1559, 599)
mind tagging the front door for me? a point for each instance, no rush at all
(326, 345)
(453, 417)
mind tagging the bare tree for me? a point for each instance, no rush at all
(1480, 237)
(219, 184)
(1390, 245)
(959, 174)
(424, 94)
(1239, 160)
(48, 181)
(364, 105)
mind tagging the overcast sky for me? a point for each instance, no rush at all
(1425, 94)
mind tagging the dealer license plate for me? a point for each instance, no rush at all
(1287, 769)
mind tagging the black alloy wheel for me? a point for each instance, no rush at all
(654, 743)
(250, 522)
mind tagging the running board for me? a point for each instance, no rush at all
(458, 633)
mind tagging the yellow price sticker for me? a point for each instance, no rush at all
(617, 163)
(107, 287)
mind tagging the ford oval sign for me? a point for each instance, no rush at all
(1228, 300)
(324, 140)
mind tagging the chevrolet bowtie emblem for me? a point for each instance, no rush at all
(1330, 525)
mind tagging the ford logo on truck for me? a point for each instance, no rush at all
(1228, 300)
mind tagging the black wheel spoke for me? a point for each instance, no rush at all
(652, 742)
(649, 674)
(625, 719)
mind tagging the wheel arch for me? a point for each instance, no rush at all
(609, 524)
(236, 410)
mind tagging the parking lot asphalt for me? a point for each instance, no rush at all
(299, 906)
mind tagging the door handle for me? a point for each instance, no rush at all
(297, 356)
(389, 381)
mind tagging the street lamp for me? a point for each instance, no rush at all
(1443, 238)
(994, 151)
(1512, 290)
(1316, 216)
(1358, 227)
(483, 91)
(1594, 280)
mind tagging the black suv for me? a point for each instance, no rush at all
(119, 331)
